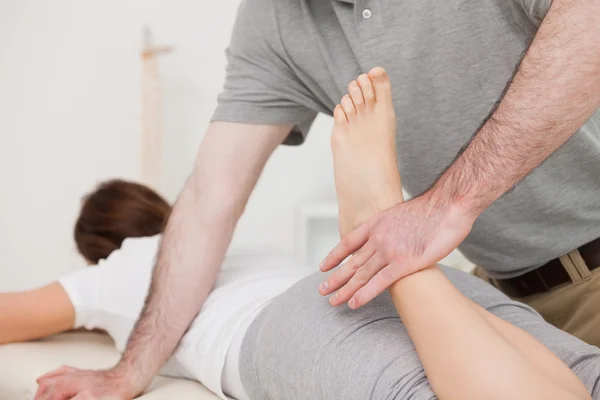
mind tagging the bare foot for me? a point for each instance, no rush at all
(363, 140)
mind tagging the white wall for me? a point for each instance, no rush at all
(69, 117)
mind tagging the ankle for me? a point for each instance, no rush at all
(392, 197)
(379, 204)
(413, 286)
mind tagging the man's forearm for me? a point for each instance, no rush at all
(196, 238)
(191, 253)
(555, 90)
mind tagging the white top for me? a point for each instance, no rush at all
(111, 295)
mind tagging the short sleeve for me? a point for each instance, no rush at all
(82, 288)
(261, 84)
(535, 10)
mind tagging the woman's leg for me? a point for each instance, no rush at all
(302, 348)
(483, 357)
(527, 331)
(466, 356)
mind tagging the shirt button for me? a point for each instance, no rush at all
(366, 13)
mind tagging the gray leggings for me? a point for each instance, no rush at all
(301, 348)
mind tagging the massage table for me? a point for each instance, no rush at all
(22, 363)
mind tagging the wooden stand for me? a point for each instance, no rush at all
(151, 117)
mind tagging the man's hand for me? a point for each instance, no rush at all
(393, 244)
(68, 383)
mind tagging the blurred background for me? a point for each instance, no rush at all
(71, 96)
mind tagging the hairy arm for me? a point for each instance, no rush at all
(35, 314)
(554, 91)
(197, 235)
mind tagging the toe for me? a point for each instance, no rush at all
(367, 89)
(381, 84)
(339, 116)
(357, 96)
(348, 107)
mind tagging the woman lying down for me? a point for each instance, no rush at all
(266, 333)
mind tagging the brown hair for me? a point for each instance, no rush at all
(115, 211)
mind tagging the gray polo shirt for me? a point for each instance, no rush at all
(449, 62)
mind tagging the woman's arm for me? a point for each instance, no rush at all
(35, 314)
(468, 353)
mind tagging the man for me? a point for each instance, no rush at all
(450, 63)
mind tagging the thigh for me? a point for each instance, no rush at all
(302, 348)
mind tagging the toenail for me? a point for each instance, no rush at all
(377, 71)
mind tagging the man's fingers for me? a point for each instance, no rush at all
(348, 245)
(360, 278)
(54, 389)
(380, 282)
(40, 394)
(344, 273)
(84, 395)
(56, 372)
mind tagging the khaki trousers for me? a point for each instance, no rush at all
(573, 307)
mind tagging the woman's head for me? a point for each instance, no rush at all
(115, 211)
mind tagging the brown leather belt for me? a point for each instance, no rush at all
(549, 275)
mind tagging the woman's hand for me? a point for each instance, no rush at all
(393, 244)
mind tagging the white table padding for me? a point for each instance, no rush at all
(22, 363)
